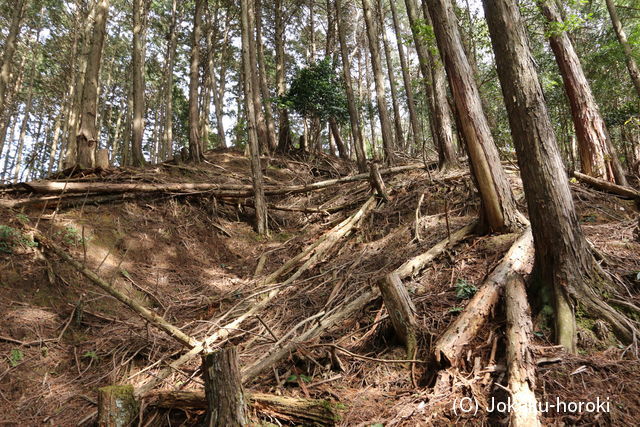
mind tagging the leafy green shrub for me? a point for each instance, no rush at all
(10, 238)
(464, 289)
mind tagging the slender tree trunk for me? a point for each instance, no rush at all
(195, 147)
(406, 78)
(563, 258)
(139, 32)
(167, 133)
(598, 156)
(499, 209)
(25, 122)
(354, 113)
(376, 64)
(9, 50)
(260, 205)
(218, 87)
(285, 142)
(397, 117)
(87, 138)
(443, 123)
(632, 66)
(425, 71)
(10, 104)
(264, 86)
(55, 142)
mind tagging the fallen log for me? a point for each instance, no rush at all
(415, 264)
(290, 409)
(449, 346)
(222, 190)
(607, 186)
(330, 319)
(314, 252)
(520, 361)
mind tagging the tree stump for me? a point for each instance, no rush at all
(223, 389)
(401, 310)
(377, 182)
(117, 406)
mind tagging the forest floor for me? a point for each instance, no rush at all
(192, 258)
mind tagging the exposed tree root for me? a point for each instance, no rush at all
(520, 363)
(448, 348)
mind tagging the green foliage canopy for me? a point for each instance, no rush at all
(316, 91)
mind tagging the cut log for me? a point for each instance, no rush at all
(314, 252)
(401, 310)
(290, 409)
(222, 190)
(607, 186)
(520, 362)
(117, 407)
(448, 348)
(226, 405)
(376, 181)
(134, 305)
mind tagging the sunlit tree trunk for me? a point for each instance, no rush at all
(195, 147)
(373, 32)
(354, 113)
(254, 149)
(632, 66)
(498, 204)
(139, 18)
(598, 156)
(87, 138)
(397, 117)
(9, 49)
(264, 86)
(285, 142)
(406, 78)
(167, 131)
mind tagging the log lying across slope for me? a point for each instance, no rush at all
(607, 186)
(292, 409)
(222, 190)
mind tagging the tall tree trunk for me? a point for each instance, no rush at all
(498, 204)
(423, 61)
(285, 141)
(10, 104)
(9, 49)
(598, 156)
(406, 78)
(195, 147)
(397, 117)
(139, 32)
(563, 258)
(23, 127)
(260, 205)
(81, 47)
(376, 64)
(443, 123)
(218, 86)
(264, 86)
(167, 132)
(632, 66)
(88, 133)
(354, 113)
